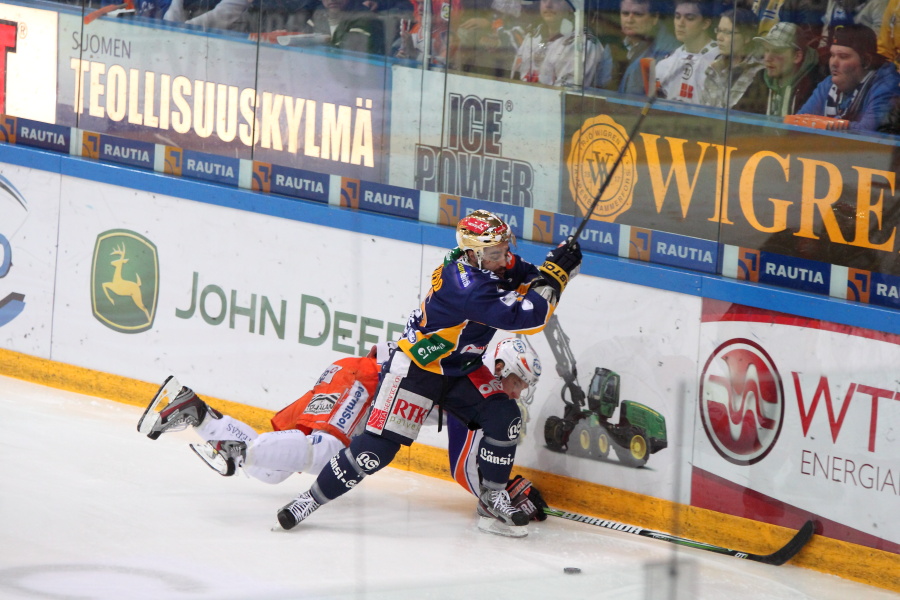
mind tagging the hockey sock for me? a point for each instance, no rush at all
(366, 454)
(495, 460)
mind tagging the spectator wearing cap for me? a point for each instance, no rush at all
(731, 78)
(643, 36)
(790, 72)
(861, 85)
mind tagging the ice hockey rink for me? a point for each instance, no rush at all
(90, 509)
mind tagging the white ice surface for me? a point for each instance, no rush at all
(89, 508)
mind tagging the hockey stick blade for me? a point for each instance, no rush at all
(779, 557)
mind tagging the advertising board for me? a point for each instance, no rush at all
(241, 305)
(792, 412)
(29, 212)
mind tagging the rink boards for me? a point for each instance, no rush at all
(120, 279)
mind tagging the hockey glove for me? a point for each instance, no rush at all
(561, 265)
(524, 496)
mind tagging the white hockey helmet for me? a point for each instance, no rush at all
(482, 229)
(518, 359)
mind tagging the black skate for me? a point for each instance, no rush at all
(499, 516)
(301, 507)
(223, 457)
(183, 408)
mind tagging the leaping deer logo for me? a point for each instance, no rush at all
(121, 286)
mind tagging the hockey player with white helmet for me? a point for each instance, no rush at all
(321, 422)
(483, 288)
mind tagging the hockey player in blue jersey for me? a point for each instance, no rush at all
(439, 361)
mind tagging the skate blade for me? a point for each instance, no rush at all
(213, 459)
(150, 418)
(497, 527)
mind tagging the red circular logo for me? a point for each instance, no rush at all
(741, 401)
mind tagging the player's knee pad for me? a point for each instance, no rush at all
(502, 421)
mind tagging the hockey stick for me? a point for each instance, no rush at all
(779, 557)
(93, 16)
(651, 88)
(615, 166)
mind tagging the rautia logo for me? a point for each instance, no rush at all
(13, 212)
(741, 401)
(124, 281)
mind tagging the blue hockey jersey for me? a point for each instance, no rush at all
(465, 306)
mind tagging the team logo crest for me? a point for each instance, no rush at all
(595, 148)
(124, 281)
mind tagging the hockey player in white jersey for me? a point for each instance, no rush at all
(311, 430)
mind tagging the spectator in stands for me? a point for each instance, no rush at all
(486, 35)
(845, 12)
(807, 15)
(731, 78)
(351, 25)
(791, 69)
(547, 54)
(891, 125)
(861, 86)
(889, 34)
(644, 36)
(410, 41)
(224, 14)
(680, 75)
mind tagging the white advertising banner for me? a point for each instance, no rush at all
(649, 338)
(29, 210)
(28, 50)
(477, 138)
(238, 305)
(793, 411)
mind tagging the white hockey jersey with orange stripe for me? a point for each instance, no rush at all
(338, 402)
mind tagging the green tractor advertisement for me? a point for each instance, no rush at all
(586, 427)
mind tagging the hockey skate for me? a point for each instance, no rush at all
(223, 457)
(183, 408)
(498, 516)
(301, 507)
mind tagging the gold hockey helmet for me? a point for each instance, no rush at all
(482, 229)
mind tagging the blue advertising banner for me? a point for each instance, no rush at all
(26, 132)
(119, 150)
(796, 273)
(685, 252)
(388, 199)
(201, 165)
(454, 208)
(305, 108)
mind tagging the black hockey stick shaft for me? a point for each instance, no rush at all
(614, 168)
(779, 557)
